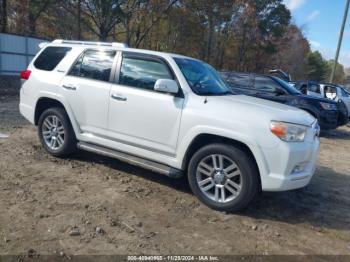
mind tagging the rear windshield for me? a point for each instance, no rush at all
(51, 57)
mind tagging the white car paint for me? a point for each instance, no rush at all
(161, 127)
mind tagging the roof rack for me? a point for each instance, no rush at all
(115, 44)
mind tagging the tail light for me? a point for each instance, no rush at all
(25, 74)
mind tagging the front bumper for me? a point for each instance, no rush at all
(289, 166)
(328, 119)
(343, 117)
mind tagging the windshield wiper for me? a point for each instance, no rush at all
(215, 94)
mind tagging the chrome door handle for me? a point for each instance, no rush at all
(69, 87)
(119, 97)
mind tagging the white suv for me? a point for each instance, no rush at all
(168, 113)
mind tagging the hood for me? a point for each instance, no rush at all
(260, 109)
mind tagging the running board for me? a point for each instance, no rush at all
(133, 160)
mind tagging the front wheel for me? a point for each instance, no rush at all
(56, 133)
(223, 177)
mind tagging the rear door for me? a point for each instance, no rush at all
(86, 88)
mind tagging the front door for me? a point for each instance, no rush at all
(268, 89)
(138, 115)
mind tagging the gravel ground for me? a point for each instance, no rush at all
(90, 204)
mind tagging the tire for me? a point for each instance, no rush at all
(241, 163)
(58, 138)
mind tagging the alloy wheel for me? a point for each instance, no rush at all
(219, 178)
(53, 132)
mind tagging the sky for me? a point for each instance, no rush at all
(320, 20)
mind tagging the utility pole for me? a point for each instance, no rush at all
(340, 41)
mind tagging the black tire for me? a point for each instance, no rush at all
(69, 145)
(249, 176)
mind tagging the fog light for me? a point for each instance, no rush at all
(298, 169)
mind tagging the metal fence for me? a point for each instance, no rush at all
(16, 52)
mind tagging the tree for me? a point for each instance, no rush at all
(3, 16)
(316, 67)
(35, 10)
(259, 24)
(339, 76)
(142, 16)
(291, 53)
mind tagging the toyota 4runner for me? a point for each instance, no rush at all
(168, 113)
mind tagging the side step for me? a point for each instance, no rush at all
(133, 160)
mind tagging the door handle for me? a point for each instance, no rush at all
(69, 87)
(119, 97)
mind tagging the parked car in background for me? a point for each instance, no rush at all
(329, 114)
(171, 114)
(324, 90)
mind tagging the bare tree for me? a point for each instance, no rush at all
(35, 10)
(4, 16)
(104, 14)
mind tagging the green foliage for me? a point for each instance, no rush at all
(339, 76)
(316, 67)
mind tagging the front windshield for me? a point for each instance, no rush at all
(202, 78)
(288, 87)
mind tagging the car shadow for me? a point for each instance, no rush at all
(323, 203)
(343, 133)
(179, 184)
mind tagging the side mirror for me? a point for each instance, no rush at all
(166, 86)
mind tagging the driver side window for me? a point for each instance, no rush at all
(265, 84)
(142, 73)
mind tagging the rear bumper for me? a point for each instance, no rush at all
(290, 166)
(26, 110)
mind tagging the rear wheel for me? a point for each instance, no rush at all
(223, 177)
(56, 133)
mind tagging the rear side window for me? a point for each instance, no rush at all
(94, 64)
(142, 73)
(51, 57)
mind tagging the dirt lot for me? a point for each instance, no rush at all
(54, 205)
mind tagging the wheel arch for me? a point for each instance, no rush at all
(45, 102)
(205, 139)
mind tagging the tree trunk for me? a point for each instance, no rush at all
(127, 31)
(32, 26)
(4, 16)
(79, 20)
(210, 38)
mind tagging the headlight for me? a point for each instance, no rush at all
(328, 106)
(288, 132)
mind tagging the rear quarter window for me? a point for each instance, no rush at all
(51, 57)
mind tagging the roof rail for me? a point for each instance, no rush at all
(115, 44)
